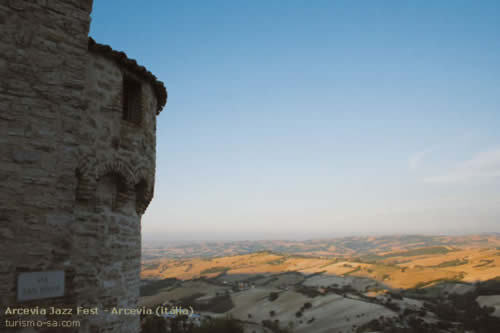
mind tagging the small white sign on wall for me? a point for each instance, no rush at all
(40, 285)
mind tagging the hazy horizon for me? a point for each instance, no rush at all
(166, 240)
(294, 119)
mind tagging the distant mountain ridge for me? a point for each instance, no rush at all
(339, 247)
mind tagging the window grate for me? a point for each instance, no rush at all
(132, 100)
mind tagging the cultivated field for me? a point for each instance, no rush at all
(353, 285)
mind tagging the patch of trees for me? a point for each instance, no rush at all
(456, 313)
(277, 261)
(228, 325)
(275, 327)
(216, 269)
(357, 269)
(373, 258)
(273, 296)
(465, 309)
(490, 287)
(307, 291)
(452, 263)
(180, 324)
(484, 262)
(153, 324)
(457, 279)
(419, 252)
(341, 290)
(392, 306)
(395, 295)
(388, 325)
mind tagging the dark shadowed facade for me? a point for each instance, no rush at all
(77, 166)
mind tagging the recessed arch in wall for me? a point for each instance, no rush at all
(112, 191)
(144, 187)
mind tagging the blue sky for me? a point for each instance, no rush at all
(304, 119)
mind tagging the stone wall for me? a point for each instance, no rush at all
(116, 178)
(75, 177)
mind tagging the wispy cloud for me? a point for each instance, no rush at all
(416, 159)
(483, 166)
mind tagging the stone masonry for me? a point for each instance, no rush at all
(77, 163)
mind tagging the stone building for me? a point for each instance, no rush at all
(77, 167)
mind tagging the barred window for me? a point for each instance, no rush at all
(132, 106)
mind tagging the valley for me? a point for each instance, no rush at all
(344, 285)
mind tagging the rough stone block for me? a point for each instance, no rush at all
(20, 155)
